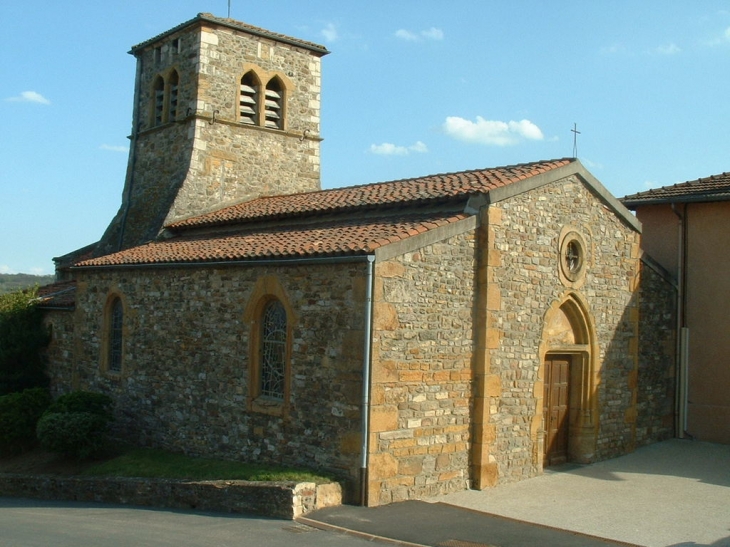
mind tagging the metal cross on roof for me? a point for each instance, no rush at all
(575, 139)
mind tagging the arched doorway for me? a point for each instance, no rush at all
(566, 422)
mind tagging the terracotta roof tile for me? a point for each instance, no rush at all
(430, 188)
(338, 237)
(58, 295)
(714, 188)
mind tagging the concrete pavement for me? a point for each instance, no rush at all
(675, 493)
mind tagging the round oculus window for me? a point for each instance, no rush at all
(572, 256)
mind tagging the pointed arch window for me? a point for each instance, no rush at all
(248, 99)
(112, 354)
(273, 104)
(271, 318)
(159, 100)
(173, 82)
(272, 354)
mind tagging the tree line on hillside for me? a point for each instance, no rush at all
(16, 282)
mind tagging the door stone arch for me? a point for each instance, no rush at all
(569, 335)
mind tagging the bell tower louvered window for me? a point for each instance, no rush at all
(274, 112)
(159, 100)
(248, 99)
(172, 107)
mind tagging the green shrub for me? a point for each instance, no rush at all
(19, 414)
(75, 434)
(76, 424)
(83, 401)
(23, 339)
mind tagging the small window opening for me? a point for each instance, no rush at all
(273, 104)
(248, 100)
(176, 45)
(158, 55)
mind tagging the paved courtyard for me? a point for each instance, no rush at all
(675, 493)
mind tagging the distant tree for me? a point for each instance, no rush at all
(18, 282)
(23, 339)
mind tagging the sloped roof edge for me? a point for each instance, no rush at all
(575, 168)
(236, 25)
(702, 190)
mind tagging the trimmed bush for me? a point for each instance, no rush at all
(83, 401)
(76, 424)
(75, 434)
(19, 414)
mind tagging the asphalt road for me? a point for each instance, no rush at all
(31, 523)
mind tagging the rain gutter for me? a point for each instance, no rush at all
(232, 263)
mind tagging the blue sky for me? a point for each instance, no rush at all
(410, 88)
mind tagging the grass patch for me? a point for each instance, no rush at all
(151, 463)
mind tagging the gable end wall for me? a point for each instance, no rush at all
(523, 236)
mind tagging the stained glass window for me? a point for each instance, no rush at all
(273, 350)
(115, 336)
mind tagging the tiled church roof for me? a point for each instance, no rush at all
(59, 295)
(714, 188)
(411, 191)
(335, 238)
(340, 222)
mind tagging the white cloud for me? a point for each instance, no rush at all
(418, 147)
(669, 49)
(29, 97)
(406, 35)
(431, 34)
(389, 149)
(491, 132)
(330, 33)
(113, 148)
(6, 269)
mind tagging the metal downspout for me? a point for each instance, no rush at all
(365, 412)
(682, 348)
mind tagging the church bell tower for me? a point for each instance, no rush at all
(224, 112)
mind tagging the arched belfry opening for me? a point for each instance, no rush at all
(566, 421)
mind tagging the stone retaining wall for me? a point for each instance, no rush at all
(286, 500)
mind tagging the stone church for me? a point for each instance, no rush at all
(415, 337)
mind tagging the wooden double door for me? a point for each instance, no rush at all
(556, 408)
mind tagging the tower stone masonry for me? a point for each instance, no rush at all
(223, 112)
